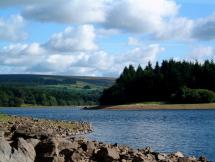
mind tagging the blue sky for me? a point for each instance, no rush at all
(100, 37)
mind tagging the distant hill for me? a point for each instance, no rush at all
(51, 90)
(30, 79)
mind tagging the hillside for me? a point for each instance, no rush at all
(51, 90)
(29, 79)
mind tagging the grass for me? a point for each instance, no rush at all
(78, 87)
(5, 118)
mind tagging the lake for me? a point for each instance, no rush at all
(189, 131)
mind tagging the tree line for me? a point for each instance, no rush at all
(19, 96)
(172, 81)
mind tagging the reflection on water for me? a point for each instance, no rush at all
(190, 131)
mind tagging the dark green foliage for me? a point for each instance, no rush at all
(159, 83)
(17, 96)
(86, 87)
(187, 95)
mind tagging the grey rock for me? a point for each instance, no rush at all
(27, 149)
(107, 154)
(33, 141)
(76, 157)
(178, 154)
(5, 151)
(161, 157)
(184, 159)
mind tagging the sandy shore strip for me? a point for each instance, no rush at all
(204, 106)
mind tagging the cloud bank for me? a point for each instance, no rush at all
(74, 52)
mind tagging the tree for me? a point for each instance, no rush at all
(160, 83)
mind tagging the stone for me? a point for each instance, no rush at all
(29, 132)
(5, 151)
(24, 152)
(58, 159)
(33, 141)
(90, 148)
(138, 159)
(1, 134)
(184, 159)
(107, 154)
(161, 156)
(66, 144)
(178, 154)
(203, 159)
(27, 149)
(148, 150)
(76, 157)
(46, 150)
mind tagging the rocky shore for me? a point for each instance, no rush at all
(28, 140)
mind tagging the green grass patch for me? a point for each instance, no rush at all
(5, 118)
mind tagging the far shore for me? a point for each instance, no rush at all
(142, 106)
(39, 106)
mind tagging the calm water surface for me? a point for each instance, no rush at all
(190, 131)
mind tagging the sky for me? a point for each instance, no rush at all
(101, 37)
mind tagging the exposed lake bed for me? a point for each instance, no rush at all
(190, 131)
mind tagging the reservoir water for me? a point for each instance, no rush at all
(189, 131)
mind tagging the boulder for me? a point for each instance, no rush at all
(27, 149)
(46, 150)
(30, 132)
(89, 148)
(76, 157)
(203, 159)
(184, 159)
(23, 153)
(107, 154)
(66, 144)
(5, 151)
(161, 157)
(138, 159)
(178, 154)
(33, 141)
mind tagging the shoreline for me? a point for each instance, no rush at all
(72, 106)
(140, 106)
(23, 141)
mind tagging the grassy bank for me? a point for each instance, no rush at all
(70, 125)
(157, 106)
(6, 118)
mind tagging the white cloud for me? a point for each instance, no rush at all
(204, 28)
(67, 11)
(21, 55)
(202, 53)
(9, 3)
(140, 15)
(133, 41)
(34, 58)
(157, 18)
(140, 55)
(178, 28)
(74, 39)
(103, 32)
(12, 28)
